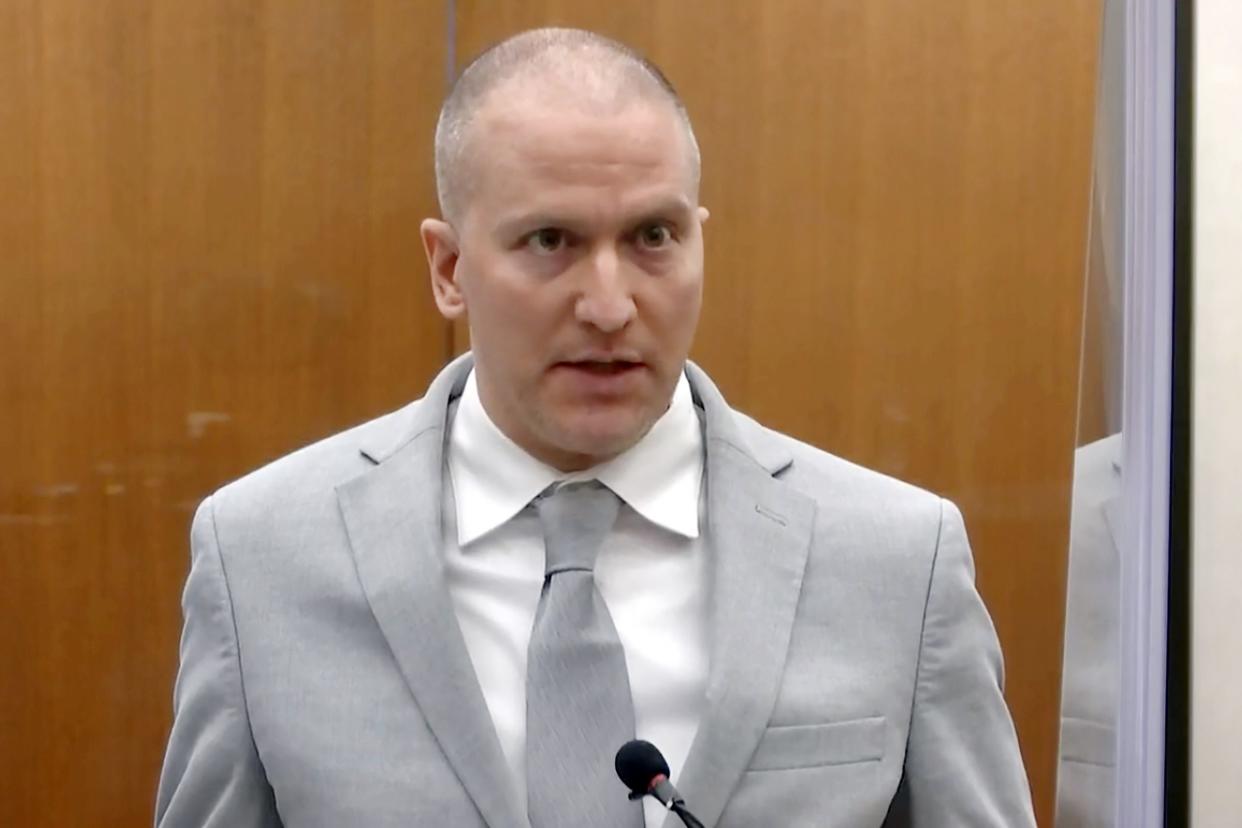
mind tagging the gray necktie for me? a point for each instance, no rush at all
(578, 705)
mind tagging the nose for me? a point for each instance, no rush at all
(606, 301)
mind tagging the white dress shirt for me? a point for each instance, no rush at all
(651, 572)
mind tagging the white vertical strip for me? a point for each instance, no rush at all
(1148, 269)
(1216, 517)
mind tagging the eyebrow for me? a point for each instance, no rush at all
(672, 207)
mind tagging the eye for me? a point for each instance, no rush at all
(654, 236)
(546, 240)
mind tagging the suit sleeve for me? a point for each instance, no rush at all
(963, 765)
(212, 775)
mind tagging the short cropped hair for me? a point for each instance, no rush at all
(605, 70)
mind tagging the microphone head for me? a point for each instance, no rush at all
(638, 763)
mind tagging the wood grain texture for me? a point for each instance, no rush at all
(208, 256)
(899, 196)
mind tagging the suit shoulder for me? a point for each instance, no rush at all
(839, 484)
(315, 470)
(867, 525)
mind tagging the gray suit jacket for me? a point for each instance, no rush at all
(854, 680)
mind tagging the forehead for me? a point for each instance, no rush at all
(528, 149)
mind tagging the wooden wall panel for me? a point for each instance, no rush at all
(208, 256)
(899, 198)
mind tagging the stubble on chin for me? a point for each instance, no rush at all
(598, 437)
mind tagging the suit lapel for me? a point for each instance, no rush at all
(392, 515)
(759, 533)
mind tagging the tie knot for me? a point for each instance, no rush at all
(576, 518)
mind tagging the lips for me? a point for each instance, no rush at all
(601, 377)
(603, 367)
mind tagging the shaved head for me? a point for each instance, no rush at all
(568, 68)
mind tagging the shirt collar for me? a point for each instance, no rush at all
(660, 477)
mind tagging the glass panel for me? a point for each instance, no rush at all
(1086, 774)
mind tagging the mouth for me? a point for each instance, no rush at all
(602, 367)
(601, 376)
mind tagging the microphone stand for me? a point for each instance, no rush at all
(667, 796)
(688, 819)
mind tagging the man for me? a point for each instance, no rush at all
(454, 615)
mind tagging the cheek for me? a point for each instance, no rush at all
(489, 288)
(672, 306)
(508, 308)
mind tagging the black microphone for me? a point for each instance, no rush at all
(644, 771)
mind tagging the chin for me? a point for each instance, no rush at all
(603, 440)
(601, 445)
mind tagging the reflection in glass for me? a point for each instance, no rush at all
(1086, 780)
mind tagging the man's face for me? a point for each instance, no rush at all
(578, 261)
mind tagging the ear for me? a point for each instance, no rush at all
(443, 253)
